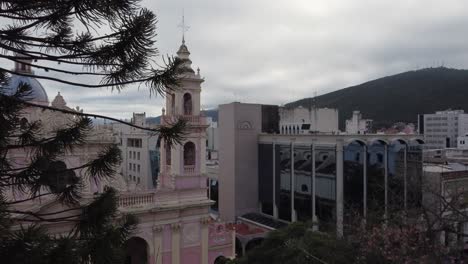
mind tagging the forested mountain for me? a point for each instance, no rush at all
(399, 97)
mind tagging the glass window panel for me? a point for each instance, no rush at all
(265, 179)
(396, 153)
(283, 200)
(325, 193)
(375, 180)
(303, 182)
(353, 187)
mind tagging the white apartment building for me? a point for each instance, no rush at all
(301, 120)
(462, 142)
(358, 125)
(212, 139)
(442, 129)
(139, 155)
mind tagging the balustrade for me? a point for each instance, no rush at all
(191, 119)
(135, 200)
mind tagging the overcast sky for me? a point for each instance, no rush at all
(278, 51)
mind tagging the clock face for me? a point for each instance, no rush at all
(191, 233)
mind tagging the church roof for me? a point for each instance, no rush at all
(183, 54)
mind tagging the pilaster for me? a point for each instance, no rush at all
(158, 244)
(204, 239)
(175, 243)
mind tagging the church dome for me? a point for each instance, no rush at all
(37, 94)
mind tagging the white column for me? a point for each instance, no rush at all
(202, 154)
(158, 245)
(386, 180)
(293, 183)
(364, 182)
(175, 243)
(405, 168)
(204, 239)
(339, 188)
(275, 209)
(314, 215)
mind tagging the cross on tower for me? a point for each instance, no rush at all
(184, 27)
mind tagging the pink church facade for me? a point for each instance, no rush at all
(175, 225)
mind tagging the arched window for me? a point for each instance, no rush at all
(187, 104)
(189, 153)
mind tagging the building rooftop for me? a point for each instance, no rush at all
(448, 167)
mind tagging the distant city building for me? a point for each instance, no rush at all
(301, 120)
(140, 157)
(447, 180)
(399, 128)
(358, 125)
(446, 155)
(212, 139)
(268, 179)
(462, 142)
(442, 129)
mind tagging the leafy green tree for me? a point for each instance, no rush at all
(297, 243)
(108, 43)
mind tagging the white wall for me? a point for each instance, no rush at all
(320, 120)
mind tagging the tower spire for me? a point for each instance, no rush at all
(184, 27)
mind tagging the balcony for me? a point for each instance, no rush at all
(189, 170)
(135, 200)
(190, 119)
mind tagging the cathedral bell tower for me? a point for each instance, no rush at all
(183, 165)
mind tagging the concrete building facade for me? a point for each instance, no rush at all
(442, 128)
(301, 120)
(139, 168)
(287, 178)
(357, 125)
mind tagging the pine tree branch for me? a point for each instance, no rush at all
(154, 130)
(29, 199)
(17, 59)
(92, 86)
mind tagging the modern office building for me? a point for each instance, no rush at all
(441, 129)
(320, 177)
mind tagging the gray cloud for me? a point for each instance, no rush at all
(278, 51)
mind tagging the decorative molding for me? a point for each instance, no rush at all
(157, 229)
(244, 125)
(205, 220)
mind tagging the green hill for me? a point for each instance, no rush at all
(399, 97)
